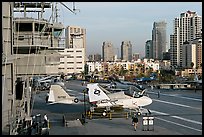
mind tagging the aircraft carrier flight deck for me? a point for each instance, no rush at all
(175, 112)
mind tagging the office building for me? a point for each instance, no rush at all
(107, 51)
(159, 39)
(126, 51)
(148, 49)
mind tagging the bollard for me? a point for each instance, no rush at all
(110, 116)
(126, 115)
(90, 115)
(48, 124)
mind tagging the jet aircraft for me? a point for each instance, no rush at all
(98, 96)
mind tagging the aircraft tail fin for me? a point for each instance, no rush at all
(195, 75)
(195, 78)
(58, 95)
(96, 93)
(51, 97)
(106, 91)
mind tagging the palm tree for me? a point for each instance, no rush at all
(82, 74)
(96, 71)
(101, 73)
(122, 71)
(111, 72)
(192, 64)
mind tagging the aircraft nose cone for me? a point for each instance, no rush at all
(144, 101)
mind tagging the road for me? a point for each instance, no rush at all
(175, 112)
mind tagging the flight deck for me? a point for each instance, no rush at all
(175, 112)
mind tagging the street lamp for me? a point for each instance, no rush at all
(84, 116)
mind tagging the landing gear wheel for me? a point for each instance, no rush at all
(139, 113)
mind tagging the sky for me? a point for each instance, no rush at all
(119, 21)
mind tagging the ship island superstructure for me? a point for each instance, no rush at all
(30, 48)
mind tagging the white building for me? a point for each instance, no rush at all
(75, 51)
(148, 63)
(192, 52)
(187, 27)
(154, 64)
(75, 37)
(73, 60)
(92, 66)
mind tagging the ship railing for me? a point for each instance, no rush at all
(36, 39)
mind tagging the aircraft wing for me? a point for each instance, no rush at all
(200, 81)
(118, 95)
(194, 82)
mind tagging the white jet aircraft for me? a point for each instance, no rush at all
(97, 95)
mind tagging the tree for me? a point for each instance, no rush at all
(192, 64)
(86, 68)
(96, 71)
(167, 76)
(82, 74)
(123, 71)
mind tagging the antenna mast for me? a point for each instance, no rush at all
(56, 12)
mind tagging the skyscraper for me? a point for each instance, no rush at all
(187, 27)
(126, 50)
(107, 51)
(159, 39)
(148, 49)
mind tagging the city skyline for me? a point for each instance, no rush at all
(120, 21)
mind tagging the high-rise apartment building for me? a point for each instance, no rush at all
(135, 56)
(107, 51)
(148, 49)
(126, 51)
(187, 27)
(159, 39)
(192, 52)
(94, 57)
